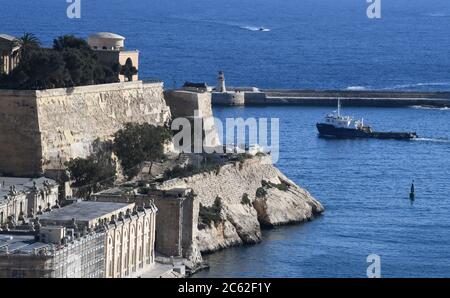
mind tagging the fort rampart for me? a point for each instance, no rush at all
(41, 130)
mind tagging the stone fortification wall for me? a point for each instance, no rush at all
(41, 130)
(184, 103)
(20, 142)
(228, 98)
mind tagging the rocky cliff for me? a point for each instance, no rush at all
(253, 194)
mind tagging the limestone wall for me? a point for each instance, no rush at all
(20, 145)
(41, 130)
(228, 98)
(184, 103)
(169, 227)
(255, 98)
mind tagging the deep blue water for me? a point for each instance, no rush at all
(364, 186)
(324, 44)
(311, 43)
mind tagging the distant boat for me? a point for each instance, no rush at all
(338, 126)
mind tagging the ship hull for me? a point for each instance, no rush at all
(330, 131)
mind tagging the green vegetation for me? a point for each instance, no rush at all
(209, 215)
(71, 62)
(240, 157)
(136, 143)
(27, 43)
(261, 192)
(282, 186)
(189, 170)
(132, 145)
(208, 164)
(93, 173)
(246, 200)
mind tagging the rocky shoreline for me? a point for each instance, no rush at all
(271, 200)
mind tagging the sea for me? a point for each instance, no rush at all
(313, 44)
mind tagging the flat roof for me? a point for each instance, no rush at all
(7, 37)
(85, 211)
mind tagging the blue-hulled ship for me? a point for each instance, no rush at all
(338, 126)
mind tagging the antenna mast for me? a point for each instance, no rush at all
(339, 107)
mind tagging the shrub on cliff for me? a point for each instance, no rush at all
(209, 215)
(281, 186)
(136, 143)
(189, 170)
(261, 192)
(178, 172)
(94, 173)
(246, 200)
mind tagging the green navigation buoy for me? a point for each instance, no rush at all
(412, 192)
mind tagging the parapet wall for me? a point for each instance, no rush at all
(41, 130)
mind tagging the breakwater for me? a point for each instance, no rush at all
(349, 98)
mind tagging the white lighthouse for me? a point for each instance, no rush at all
(221, 82)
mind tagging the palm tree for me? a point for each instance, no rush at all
(27, 42)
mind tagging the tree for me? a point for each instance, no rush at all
(136, 143)
(71, 62)
(128, 70)
(39, 69)
(27, 42)
(72, 42)
(93, 173)
(82, 63)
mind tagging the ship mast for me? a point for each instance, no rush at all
(339, 107)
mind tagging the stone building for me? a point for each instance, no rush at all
(129, 232)
(196, 87)
(13, 206)
(52, 253)
(176, 221)
(9, 53)
(22, 198)
(110, 50)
